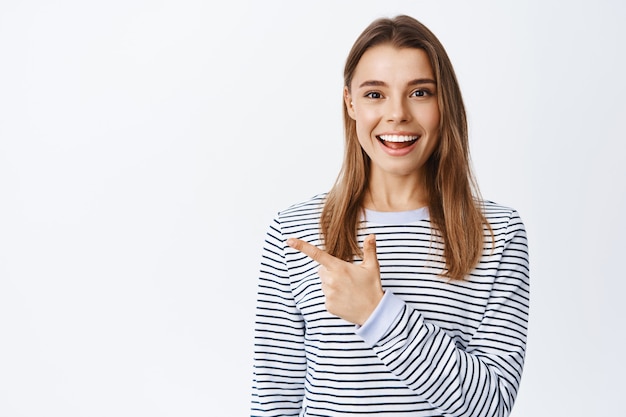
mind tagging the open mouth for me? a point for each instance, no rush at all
(397, 141)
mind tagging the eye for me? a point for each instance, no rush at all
(373, 94)
(421, 93)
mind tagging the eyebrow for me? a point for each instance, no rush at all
(376, 83)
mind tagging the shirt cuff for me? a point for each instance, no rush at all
(381, 319)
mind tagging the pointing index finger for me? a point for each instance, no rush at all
(313, 252)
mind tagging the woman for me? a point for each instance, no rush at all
(399, 292)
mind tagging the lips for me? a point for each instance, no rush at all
(397, 141)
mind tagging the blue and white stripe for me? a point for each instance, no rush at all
(455, 348)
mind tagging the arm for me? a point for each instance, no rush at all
(483, 379)
(279, 362)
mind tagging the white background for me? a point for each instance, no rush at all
(146, 145)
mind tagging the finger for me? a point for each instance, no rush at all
(369, 251)
(313, 252)
(325, 277)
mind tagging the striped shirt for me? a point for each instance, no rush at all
(433, 347)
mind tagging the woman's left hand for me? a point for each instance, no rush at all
(352, 291)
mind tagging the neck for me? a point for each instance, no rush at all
(391, 193)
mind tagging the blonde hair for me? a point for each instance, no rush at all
(453, 196)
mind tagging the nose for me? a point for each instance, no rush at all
(397, 110)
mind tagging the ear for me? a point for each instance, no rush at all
(347, 98)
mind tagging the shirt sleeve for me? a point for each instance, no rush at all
(378, 323)
(279, 357)
(483, 378)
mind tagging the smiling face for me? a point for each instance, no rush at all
(393, 100)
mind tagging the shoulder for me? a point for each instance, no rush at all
(312, 205)
(498, 213)
(503, 220)
(303, 217)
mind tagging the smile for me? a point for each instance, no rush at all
(398, 138)
(397, 141)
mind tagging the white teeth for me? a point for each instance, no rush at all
(398, 138)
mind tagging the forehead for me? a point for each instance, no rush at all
(390, 64)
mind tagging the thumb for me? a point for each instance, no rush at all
(370, 259)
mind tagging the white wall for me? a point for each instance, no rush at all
(145, 146)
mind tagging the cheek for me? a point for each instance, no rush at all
(366, 120)
(431, 119)
(363, 137)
